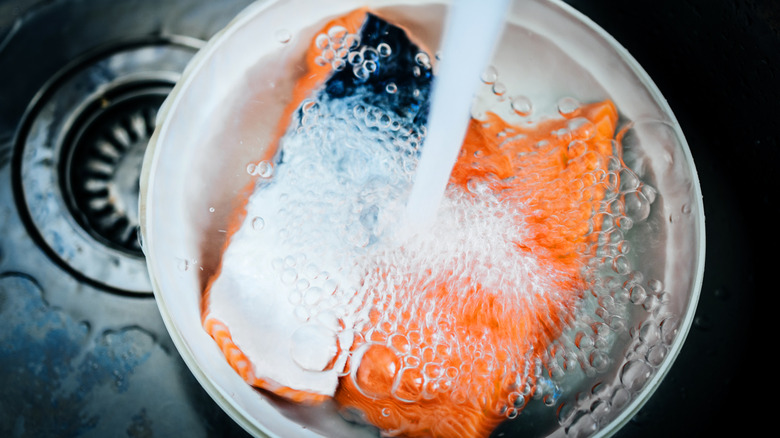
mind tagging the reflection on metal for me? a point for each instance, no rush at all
(102, 158)
(80, 85)
(80, 150)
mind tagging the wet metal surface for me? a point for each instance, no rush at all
(83, 350)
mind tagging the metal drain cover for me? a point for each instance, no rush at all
(102, 162)
(82, 145)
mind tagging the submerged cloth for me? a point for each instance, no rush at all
(435, 337)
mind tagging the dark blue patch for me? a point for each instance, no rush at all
(397, 68)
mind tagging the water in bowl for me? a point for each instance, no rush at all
(320, 234)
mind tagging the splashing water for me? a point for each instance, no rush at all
(472, 27)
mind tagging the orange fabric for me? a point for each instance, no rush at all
(552, 175)
(314, 76)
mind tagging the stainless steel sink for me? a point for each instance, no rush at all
(83, 350)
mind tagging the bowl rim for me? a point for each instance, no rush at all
(151, 158)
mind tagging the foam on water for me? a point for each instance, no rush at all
(325, 281)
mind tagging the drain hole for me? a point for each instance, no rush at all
(102, 158)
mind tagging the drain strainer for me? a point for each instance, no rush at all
(102, 161)
(79, 159)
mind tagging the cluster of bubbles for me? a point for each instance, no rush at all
(621, 302)
(434, 349)
(622, 305)
(347, 167)
(585, 412)
(341, 49)
(337, 183)
(263, 169)
(520, 105)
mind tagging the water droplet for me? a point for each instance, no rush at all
(576, 148)
(355, 58)
(649, 192)
(313, 347)
(289, 276)
(258, 223)
(617, 323)
(499, 89)
(621, 265)
(370, 66)
(264, 169)
(649, 333)
(637, 206)
(391, 88)
(360, 72)
(422, 59)
(625, 223)
(329, 55)
(432, 370)
(669, 327)
(384, 49)
(565, 413)
(322, 41)
(338, 64)
(302, 284)
(290, 261)
(638, 294)
(313, 296)
(522, 106)
(352, 41)
(310, 106)
(583, 426)
(489, 75)
(651, 303)
(283, 36)
(629, 181)
(337, 33)
(656, 355)
(599, 360)
(329, 286)
(655, 285)
(634, 375)
(620, 398)
(301, 313)
(184, 264)
(212, 209)
(583, 341)
(321, 61)
(568, 107)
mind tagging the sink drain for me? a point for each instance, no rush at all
(103, 159)
(79, 156)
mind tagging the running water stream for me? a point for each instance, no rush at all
(471, 32)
